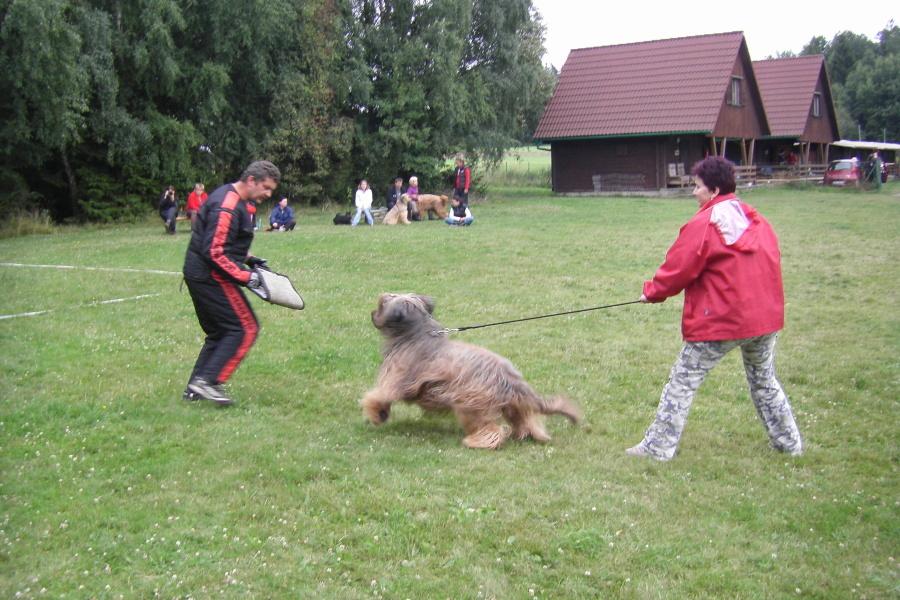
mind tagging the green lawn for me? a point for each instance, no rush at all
(112, 487)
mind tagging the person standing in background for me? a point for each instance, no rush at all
(463, 179)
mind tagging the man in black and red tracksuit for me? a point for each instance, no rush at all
(214, 272)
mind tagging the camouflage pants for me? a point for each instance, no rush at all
(694, 363)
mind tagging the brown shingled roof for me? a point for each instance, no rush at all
(663, 86)
(787, 86)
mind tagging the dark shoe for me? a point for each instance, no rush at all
(209, 391)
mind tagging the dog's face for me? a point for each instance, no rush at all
(401, 312)
(404, 200)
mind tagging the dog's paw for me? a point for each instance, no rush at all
(489, 437)
(376, 412)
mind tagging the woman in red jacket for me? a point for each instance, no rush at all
(195, 199)
(727, 261)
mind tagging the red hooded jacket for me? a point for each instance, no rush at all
(726, 259)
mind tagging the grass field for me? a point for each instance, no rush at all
(526, 166)
(112, 487)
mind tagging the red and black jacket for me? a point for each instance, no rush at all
(221, 238)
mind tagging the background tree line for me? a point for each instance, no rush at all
(865, 80)
(107, 101)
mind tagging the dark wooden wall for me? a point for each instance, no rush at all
(627, 164)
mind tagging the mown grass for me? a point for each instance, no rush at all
(112, 487)
(527, 166)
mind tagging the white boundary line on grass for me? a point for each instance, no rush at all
(97, 303)
(91, 268)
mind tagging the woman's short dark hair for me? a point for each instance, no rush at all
(716, 172)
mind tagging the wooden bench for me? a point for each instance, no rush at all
(677, 177)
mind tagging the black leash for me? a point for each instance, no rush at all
(571, 312)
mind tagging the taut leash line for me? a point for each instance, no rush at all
(445, 331)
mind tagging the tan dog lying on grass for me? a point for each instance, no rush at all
(428, 202)
(398, 212)
(423, 367)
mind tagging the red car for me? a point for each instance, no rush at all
(843, 172)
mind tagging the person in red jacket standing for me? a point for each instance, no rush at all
(727, 261)
(463, 179)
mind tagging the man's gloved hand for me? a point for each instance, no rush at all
(254, 281)
(255, 261)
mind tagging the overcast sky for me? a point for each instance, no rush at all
(769, 26)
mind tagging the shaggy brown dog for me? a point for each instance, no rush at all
(423, 367)
(398, 212)
(428, 202)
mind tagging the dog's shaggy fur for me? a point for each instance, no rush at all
(423, 367)
(433, 202)
(398, 212)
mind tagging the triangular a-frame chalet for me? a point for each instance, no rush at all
(635, 117)
(800, 108)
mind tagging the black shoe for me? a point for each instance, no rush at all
(209, 391)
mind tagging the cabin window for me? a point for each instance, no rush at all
(817, 105)
(736, 91)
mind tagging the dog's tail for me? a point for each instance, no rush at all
(560, 405)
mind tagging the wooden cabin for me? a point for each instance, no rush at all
(800, 109)
(636, 117)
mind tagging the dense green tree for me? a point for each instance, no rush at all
(817, 45)
(889, 40)
(433, 79)
(116, 98)
(846, 49)
(872, 93)
(310, 139)
(45, 101)
(130, 95)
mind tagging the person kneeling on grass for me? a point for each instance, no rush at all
(282, 217)
(459, 213)
(168, 209)
(727, 261)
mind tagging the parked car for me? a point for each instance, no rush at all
(843, 172)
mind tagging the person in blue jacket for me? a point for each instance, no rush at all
(282, 217)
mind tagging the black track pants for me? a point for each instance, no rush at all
(230, 325)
